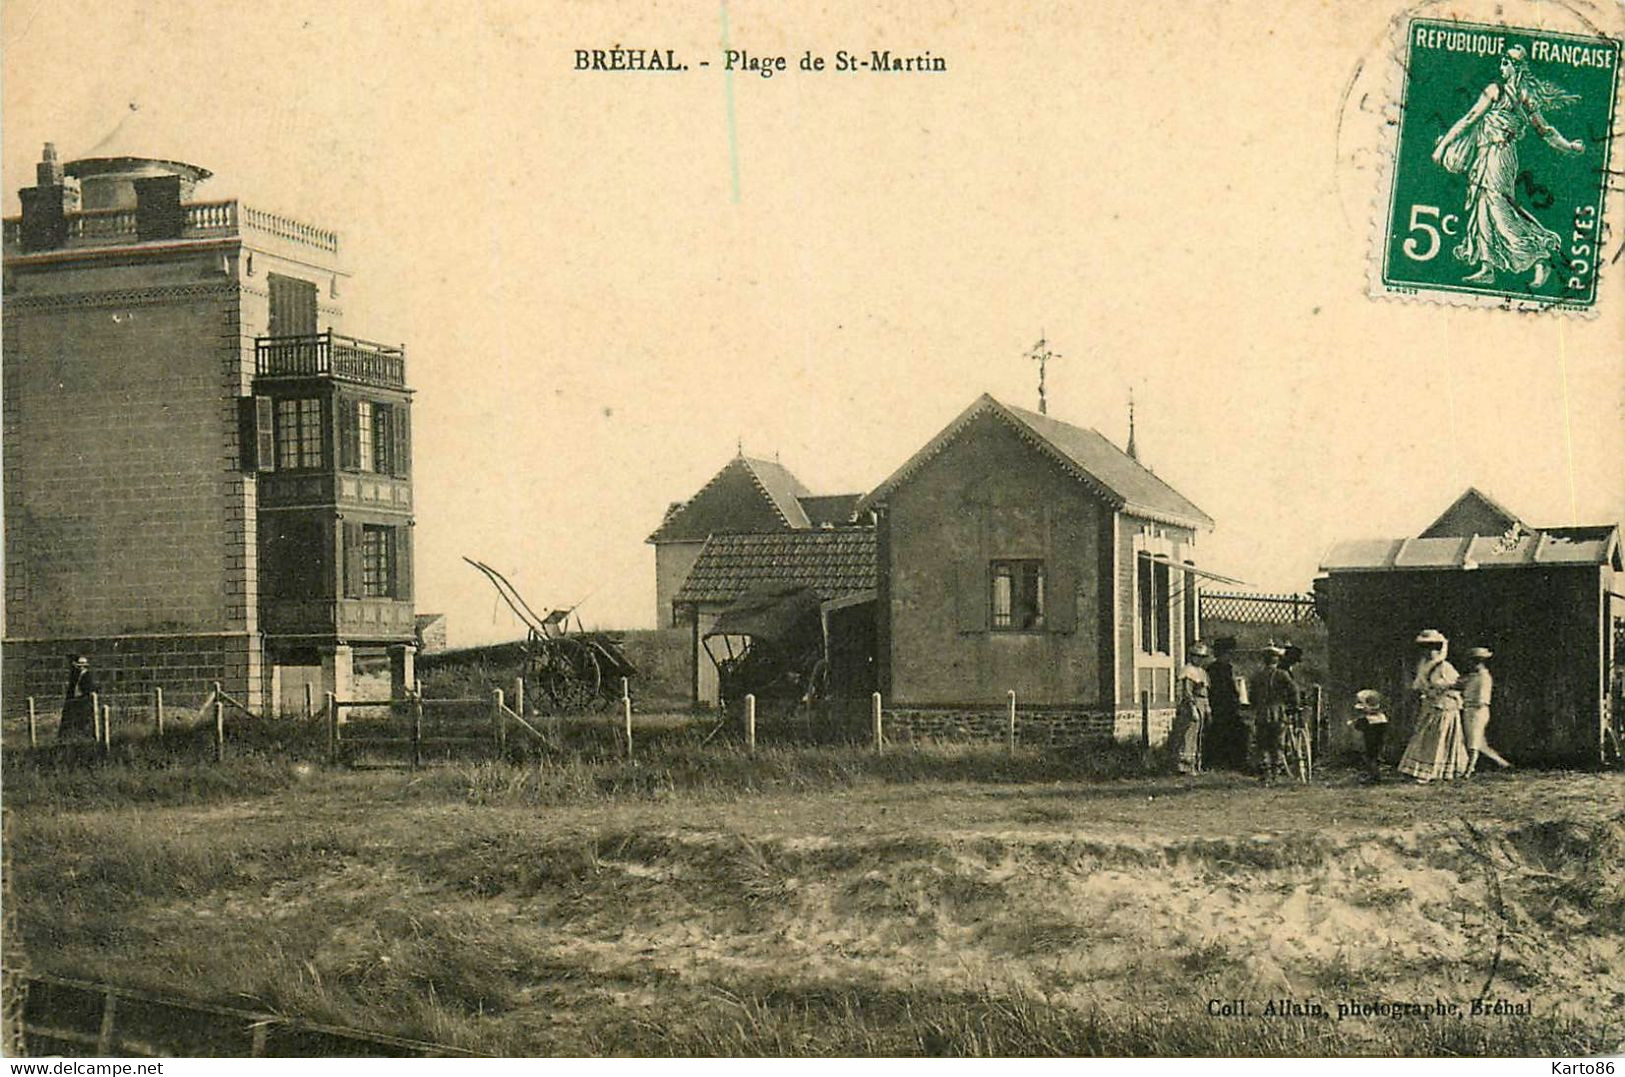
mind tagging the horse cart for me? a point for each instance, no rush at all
(564, 671)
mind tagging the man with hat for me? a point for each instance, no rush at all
(1274, 695)
(1193, 715)
(1227, 742)
(79, 706)
(1475, 702)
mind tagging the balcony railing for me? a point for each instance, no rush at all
(109, 227)
(328, 354)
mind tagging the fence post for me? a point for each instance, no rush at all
(417, 730)
(332, 728)
(107, 727)
(750, 723)
(1010, 731)
(1145, 722)
(158, 709)
(501, 722)
(33, 729)
(310, 699)
(219, 732)
(519, 696)
(96, 717)
(626, 716)
(875, 719)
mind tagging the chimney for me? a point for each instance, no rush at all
(49, 169)
(46, 205)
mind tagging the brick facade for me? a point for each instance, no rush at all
(132, 510)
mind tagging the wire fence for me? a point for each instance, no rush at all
(1267, 609)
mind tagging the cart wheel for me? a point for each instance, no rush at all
(575, 683)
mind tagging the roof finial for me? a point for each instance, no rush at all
(1133, 453)
(1042, 353)
(739, 445)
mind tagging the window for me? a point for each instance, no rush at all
(383, 439)
(298, 433)
(367, 461)
(293, 306)
(377, 561)
(1018, 595)
(370, 432)
(1155, 606)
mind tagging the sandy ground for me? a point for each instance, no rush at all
(1164, 895)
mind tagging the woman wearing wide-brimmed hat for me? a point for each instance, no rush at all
(1475, 692)
(1437, 750)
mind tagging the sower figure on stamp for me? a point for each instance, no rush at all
(78, 708)
(1475, 698)
(1499, 233)
(1274, 694)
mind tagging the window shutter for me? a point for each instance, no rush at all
(349, 435)
(247, 436)
(352, 560)
(264, 434)
(403, 440)
(403, 563)
(972, 594)
(1061, 597)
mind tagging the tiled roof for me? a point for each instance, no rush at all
(710, 510)
(1529, 549)
(781, 488)
(829, 510)
(832, 562)
(1107, 470)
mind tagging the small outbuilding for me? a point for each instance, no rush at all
(1545, 600)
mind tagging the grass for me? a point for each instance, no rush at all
(823, 901)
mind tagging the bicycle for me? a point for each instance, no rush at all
(1299, 749)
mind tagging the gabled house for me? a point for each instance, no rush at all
(1546, 600)
(1018, 552)
(747, 496)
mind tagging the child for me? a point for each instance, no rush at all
(1475, 689)
(1372, 723)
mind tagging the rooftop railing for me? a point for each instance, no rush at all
(321, 355)
(109, 227)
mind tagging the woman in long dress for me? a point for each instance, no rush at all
(1438, 748)
(1194, 714)
(1498, 233)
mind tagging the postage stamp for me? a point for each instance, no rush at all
(1501, 166)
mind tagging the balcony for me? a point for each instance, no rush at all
(200, 220)
(329, 355)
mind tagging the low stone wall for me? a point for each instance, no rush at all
(127, 669)
(1037, 728)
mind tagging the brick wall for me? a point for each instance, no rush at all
(128, 669)
(125, 511)
(1040, 728)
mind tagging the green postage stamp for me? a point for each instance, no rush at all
(1501, 166)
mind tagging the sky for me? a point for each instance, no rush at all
(608, 281)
